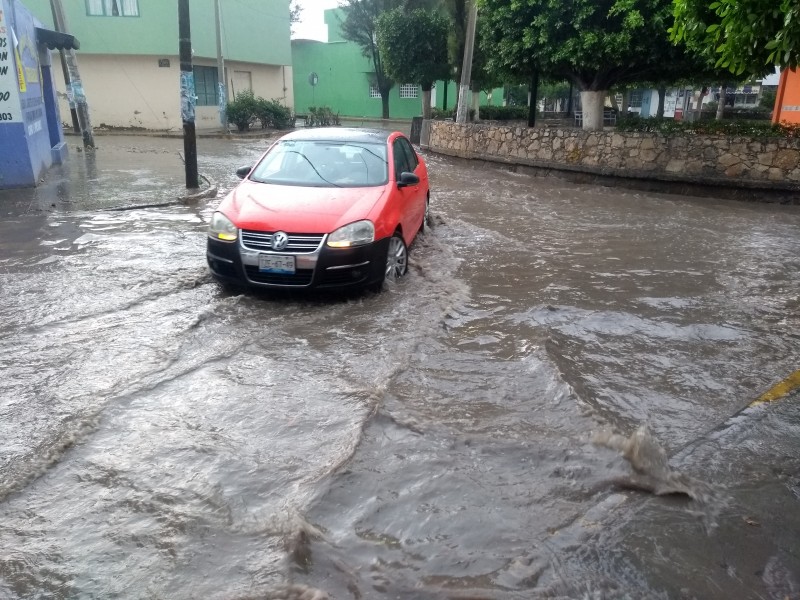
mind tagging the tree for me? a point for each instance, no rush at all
(456, 40)
(294, 12)
(594, 43)
(748, 36)
(414, 49)
(359, 26)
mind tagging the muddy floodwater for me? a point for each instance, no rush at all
(554, 403)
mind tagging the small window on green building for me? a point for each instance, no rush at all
(112, 8)
(374, 92)
(409, 90)
(205, 85)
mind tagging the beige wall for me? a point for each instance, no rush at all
(133, 91)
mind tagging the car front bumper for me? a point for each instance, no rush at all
(325, 268)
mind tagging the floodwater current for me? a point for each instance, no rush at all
(554, 403)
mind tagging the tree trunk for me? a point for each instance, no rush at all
(476, 102)
(444, 94)
(426, 104)
(662, 97)
(533, 95)
(569, 101)
(385, 104)
(593, 105)
(699, 105)
(721, 105)
(626, 102)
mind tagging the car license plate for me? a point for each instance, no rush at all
(274, 263)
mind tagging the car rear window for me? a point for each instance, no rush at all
(323, 164)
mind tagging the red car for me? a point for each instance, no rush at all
(322, 208)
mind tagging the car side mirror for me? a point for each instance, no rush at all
(407, 178)
(242, 172)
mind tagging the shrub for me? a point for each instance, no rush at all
(767, 101)
(667, 126)
(438, 114)
(321, 116)
(503, 113)
(272, 113)
(442, 115)
(241, 110)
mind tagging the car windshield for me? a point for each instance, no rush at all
(323, 164)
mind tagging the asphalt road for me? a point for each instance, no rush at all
(557, 401)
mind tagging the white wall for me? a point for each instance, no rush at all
(133, 91)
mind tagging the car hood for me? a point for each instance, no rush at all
(267, 207)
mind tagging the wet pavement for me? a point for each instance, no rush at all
(496, 425)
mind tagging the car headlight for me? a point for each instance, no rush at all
(354, 234)
(222, 228)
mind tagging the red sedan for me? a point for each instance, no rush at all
(322, 208)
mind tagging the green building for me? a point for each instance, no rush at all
(129, 65)
(337, 75)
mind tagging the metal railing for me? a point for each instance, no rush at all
(609, 118)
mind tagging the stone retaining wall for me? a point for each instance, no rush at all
(720, 161)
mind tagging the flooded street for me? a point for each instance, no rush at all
(460, 435)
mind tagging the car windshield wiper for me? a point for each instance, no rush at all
(313, 167)
(378, 156)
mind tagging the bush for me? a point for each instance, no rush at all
(767, 101)
(246, 107)
(321, 116)
(241, 110)
(438, 114)
(272, 113)
(667, 126)
(503, 113)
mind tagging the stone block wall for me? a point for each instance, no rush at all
(764, 163)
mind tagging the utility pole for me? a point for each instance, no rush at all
(466, 68)
(187, 94)
(76, 127)
(222, 96)
(73, 79)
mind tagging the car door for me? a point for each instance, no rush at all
(413, 197)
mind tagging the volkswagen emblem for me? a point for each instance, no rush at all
(279, 240)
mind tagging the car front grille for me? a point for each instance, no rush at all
(298, 242)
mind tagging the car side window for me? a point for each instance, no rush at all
(400, 158)
(411, 157)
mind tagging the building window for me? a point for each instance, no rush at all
(635, 99)
(112, 8)
(374, 92)
(205, 85)
(409, 90)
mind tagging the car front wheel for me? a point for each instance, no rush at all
(396, 262)
(396, 258)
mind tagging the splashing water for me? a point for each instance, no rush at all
(650, 463)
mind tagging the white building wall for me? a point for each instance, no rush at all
(134, 92)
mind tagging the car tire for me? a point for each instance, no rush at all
(426, 218)
(396, 262)
(396, 258)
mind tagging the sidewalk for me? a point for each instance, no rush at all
(145, 168)
(125, 170)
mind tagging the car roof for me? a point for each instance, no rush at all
(341, 134)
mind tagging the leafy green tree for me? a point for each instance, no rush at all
(359, 26)
(458, 11)
(748, 36)
(413, 46)
(597, 44)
